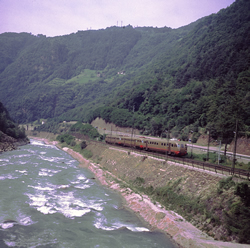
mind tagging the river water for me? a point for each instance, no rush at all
(46, 200)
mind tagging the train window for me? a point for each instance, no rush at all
(172, 145)
(182, 146)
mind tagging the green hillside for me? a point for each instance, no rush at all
(181, 79)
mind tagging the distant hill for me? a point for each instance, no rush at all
(154, 79)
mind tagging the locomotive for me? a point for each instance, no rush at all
(173, 148)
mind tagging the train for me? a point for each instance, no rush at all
(174, 148)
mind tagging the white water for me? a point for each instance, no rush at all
(46, 200)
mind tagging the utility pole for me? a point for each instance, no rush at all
(132, 125)
(235, 144)
(208, 144)
(168, 145)
(219, 153)
(191, 143)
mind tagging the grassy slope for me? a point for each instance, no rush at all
(196, 195)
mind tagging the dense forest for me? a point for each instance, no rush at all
(8, 126)
(154, 79)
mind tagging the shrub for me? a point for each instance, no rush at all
(87, 153)
(83, 144)
(243, 191)
(86, 129)
(72, 143)
(226, 183)
(65, 138)
(139, 181)
(195, 137)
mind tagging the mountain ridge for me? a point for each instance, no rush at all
(170, 77)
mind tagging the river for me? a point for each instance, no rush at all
(46, 200)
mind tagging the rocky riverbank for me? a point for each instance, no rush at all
(8, 143)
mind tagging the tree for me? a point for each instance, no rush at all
(156, 126)
(83, 144)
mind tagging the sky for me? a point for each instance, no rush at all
(60, 17)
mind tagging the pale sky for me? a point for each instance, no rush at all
(60, 17)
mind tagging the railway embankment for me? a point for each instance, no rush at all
(195, 207)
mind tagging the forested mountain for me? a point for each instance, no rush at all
(193, 76)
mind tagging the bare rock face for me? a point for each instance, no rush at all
(8, 143)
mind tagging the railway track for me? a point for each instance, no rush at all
(244, 174)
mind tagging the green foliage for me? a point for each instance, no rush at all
(225, 184)
(238, 215)
(170, 197)
(86, 129)
(76, 127)
(65, 138)
(8, 126)
(102, 137)
(243, 190)
(83, 144)
(195, 137)
(139, 181)
(213, 158)
(72, 143)
(87, 153)
(237, 220)
(49, 126)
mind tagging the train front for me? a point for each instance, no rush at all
(182, 151)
